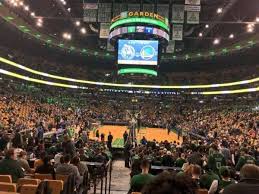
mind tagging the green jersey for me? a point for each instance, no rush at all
(244, 160)
(179, 162)
(215, 161)
(207, 179)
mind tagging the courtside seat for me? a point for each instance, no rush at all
(6, 178)
(28, 189)
(202, 191)
(55, 185)
(43, 176)
(7, 187)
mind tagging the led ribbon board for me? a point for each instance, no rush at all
(143, 20)
(139, 29)
(137, 71)
(11, 63)
(2, 71)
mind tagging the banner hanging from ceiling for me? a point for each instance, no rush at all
(104, 12)
(133, 7)
(193, 17)
(90, 12)
(118, 8)
(177, 32)
(178, 13)
(163, 10)
(193, 2)
(104, 30)
(170, 47)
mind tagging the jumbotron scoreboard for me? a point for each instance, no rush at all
(139, 37)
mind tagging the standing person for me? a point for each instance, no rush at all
(245, 158)
(127, 148)
(139, 181)
(97, 134)
(102, 137)
(109, 142)
(216, 159)
(17, 140)
(125, 137)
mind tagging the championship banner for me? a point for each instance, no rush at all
(90, 12)
(193, 17)
(104, 30)
(109, 46)
(196, 8)
(177, 32)
(133, 7)
(148, 7)
(118, 8)
(193, 2)
(104, 12)
(170, 47)
(163, 10)
(178, 14)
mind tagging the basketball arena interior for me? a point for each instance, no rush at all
(129, 96)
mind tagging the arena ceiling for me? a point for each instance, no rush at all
(227, 28)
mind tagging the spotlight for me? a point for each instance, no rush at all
(39, 24)
(200, 34)
(77, 23)
(26, 8)
(216, 41)
(207, 26)
(231, 36)
(32, 14)
(257, 19)
(219, 10)
(83, 30)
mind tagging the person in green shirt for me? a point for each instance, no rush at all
(225, 180)
(180, 161)
(139, 181)
(207, 179)
(245, 158)
(10, 166)
(216, 160)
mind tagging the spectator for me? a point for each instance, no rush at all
(139, 181)
(40, 161)
(249, 181)
(22, 160)
(168, 183)
(46, 167)
(225, 178)
(82, 168)
(10, 166)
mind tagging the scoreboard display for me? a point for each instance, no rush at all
(138, 52)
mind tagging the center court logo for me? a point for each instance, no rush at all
(147, 52)
(128, 52)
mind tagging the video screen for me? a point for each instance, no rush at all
(138, 52)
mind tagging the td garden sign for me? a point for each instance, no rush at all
(135, 14)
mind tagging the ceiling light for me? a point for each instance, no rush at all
(39, 20)
(207, 26)
(77, 23)
(219, 10)
(200, 34)
(216, 41)
(67, 36)
(69, 9)
(231, 36)
(257, 19)
(39, 24)
(32, 14)
(83, 30)
(26, 8)
(250, 30)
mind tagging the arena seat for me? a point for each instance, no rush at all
(202, 191)
(135, 193)
(6, 178)
(28, 189)
(43, 176)
(62, 177)
(7, 187)
(27, 181)
(55, 185)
